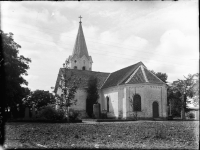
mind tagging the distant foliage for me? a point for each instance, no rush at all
(39, 99)
(161, 76)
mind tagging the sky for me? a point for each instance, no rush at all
(163, 35)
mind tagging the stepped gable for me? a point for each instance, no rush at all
(84, 75)
(117, 77)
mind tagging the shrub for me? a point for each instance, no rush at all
(104, 114)
(49, 113)
(73, 115)
(190, 115)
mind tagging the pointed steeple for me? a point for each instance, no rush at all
(80, 58)
(80, 48)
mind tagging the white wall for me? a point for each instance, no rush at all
(112, 93)
(120, 104)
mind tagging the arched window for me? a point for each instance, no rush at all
(107, 100)
(83, 68)
(84, 62)
(75, 61)
(75, 67)
(137, 102)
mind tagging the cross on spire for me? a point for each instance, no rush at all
(80, 19)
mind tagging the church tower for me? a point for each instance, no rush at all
(80, 58)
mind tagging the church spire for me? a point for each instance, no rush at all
(80, 59)
(80, 48)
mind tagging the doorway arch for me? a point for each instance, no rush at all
(155, 109)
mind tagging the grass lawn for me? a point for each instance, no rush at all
(137, 134)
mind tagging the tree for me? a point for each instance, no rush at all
(186, 88)
(15, 67)
(39, 99)
(161, 76)
(135, 104)
(68, 86)
(174, 102)
(92, 95)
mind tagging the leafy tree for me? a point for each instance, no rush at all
(39, 98)
(92, 95)
(15, 67)
(174, 102)
(135, 105)
(68, 86)
(196, 90)
(161, 76)
(187, 89)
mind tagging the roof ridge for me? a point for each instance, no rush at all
(105, 80)
(155, 75)
(133, 74)
(86, 70)
(127, 67)
(144, 74)
(128, 73)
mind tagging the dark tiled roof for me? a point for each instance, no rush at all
(84, 75)
(151, 78)
(137, 78)
(119, 76)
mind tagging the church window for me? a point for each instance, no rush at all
(84, 62)
(75, 61)
(107, 99)
(75, 67)
(137, 102)
(83, 68)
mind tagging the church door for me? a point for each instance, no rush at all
(155, 110)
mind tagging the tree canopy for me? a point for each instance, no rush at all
(185, 90)
(161, 76)
(39, 99)
(15, 67)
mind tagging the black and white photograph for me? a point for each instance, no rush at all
(100, 74)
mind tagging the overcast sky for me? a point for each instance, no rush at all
(161, 34)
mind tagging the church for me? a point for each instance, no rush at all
(116, 89)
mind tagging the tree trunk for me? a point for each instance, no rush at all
(68, 114)
(183, 108)
(183, 113)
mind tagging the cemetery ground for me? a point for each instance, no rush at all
(135, 134)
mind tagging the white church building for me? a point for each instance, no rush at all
(116, 89)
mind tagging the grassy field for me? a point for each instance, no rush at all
(137, 134)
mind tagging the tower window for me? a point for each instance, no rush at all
(83, 68)
(75, 67)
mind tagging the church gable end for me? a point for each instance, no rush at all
(151, 77)
(137, 78)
